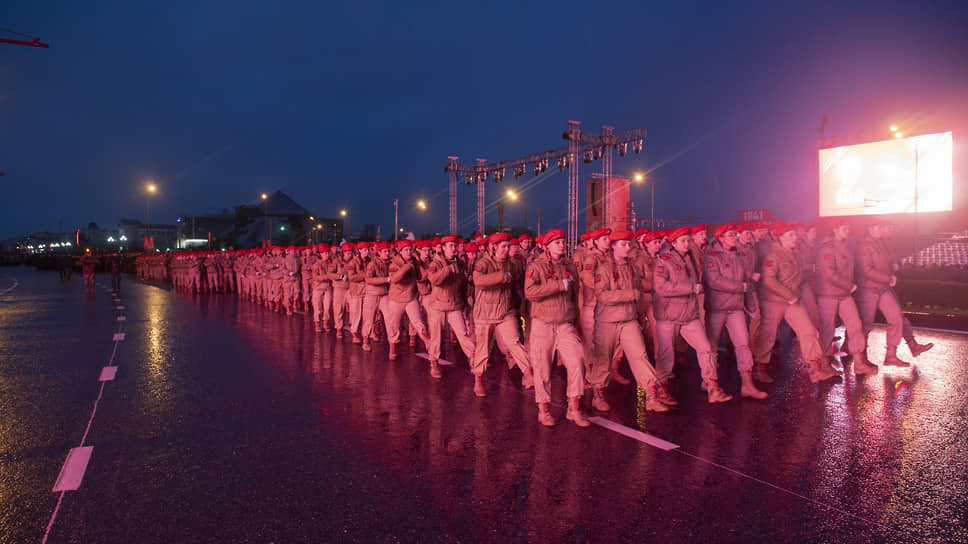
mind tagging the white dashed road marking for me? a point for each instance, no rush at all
(73, 470)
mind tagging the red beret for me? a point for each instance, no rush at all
(379, 246)
(651, 236)
(498, 237)
(400, 244)
(701, 227)
(364, 245)
(679, 232)
(837, 223)
(814, 225)
(583, 236)
(449, 238)
(470, 247)
(524, 237)
(324, 247)
(619, 235)
(551, 236)
(599, 233)
(760, 226)
(780, 228)
(421, 244)
(642, 231)
(348, 246)
(514, 242)
(723, 229)
(744, 226)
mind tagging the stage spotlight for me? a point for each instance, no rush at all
(588, 157)
(623, 148)
(597, 153)
(637, 145)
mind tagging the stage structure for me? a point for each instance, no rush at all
(588, 147)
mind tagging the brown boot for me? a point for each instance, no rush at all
(479, 386)
(714, 393)
(357, 339)
(891, 359)
(319, 327)
(663, 394)
(749, 389)
(544, 415)
(862, 366)
(575, 414)
(820, 370)
(598, 400)
(366, 345)
(339, 334)
(917, 349)
(652, 401)
(393, 351)
(617, 376)
(435, 369)
(760, 374)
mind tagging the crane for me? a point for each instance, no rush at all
(35, 42)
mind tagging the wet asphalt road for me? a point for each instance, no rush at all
(229, 423)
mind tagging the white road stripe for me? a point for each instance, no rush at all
(632, 433)
(73, 470)
(118, 337)
(439, 361)
(122, 318)
(108, 373)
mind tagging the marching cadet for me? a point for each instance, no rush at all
(356, 276)
(591, 259)
(291, 285)
(676, 287)
(422, 250)
(493, 311)
(835, 285)
(550, 285)
(697, 251)
(806, 252)
(377, 279)
(779, 294)
(88, 264)
(306, 260)
(211, 272)
(727, 279)
(259, 276)
(239, 266)
(341, 286)
(404, 272)
(616, 324)
(195, 273)
(275, 275)
(644, 261)
(526, 247)
(876, 273)
(447, 276)
(323, 273)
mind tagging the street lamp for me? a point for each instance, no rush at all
(423, 206)
(265, 200)
(150, 191)
(349, 229)
(639, 177)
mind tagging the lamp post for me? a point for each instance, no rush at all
(423, 206)
(150, 191)
(639, 178)
(349, 229)
(265, 200)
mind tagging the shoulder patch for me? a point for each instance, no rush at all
(478, 269)
(710, 265)
(664, 257)
(768, 263)
(660, 269)
(598, 278)
(588, 267)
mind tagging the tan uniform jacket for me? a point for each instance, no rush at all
(873, 265)
(724, 278)
(781, 275)
(806, 253)
(423, 284)
(291, 265)
(356, 275)
(492, 289)
(645, 269)
(376, 274)
(590, 261)
(340, 272)
(674, 297)
(275, 270)
(698, 255)
(448, 281)
(404, 274)
(615, 292)
(322, 273)
(835, 269)
(551, 302)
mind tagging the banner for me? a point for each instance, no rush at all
(754, 216)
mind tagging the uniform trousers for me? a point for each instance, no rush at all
(546, 339)
(290, 292)
(307, 286)
(869, 301)
(394, 312)
(586, 320)
(322, 302)
(695, 335)
(810, 304)
(647, 323)
(608, 336)
(339, 306)
(830, 308)
(355, 306)
(506, 332)
(773, 313)
(735, 323)
(372, 303)
(455, 318)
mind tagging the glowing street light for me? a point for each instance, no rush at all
(151, 188)
(265, 201)
(893, 128)
(639, 177)
(423, 206)
(898, 134)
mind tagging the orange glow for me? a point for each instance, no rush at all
(893, 128)
(898, 134)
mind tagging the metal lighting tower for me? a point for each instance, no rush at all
(573, 135)
(481, 176)
(452, 213)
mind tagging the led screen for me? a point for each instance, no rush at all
(904, 175)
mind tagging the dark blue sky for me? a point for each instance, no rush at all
(353, 105)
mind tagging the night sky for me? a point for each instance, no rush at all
(350, 106)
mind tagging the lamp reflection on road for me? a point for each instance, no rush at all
(158, 361)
